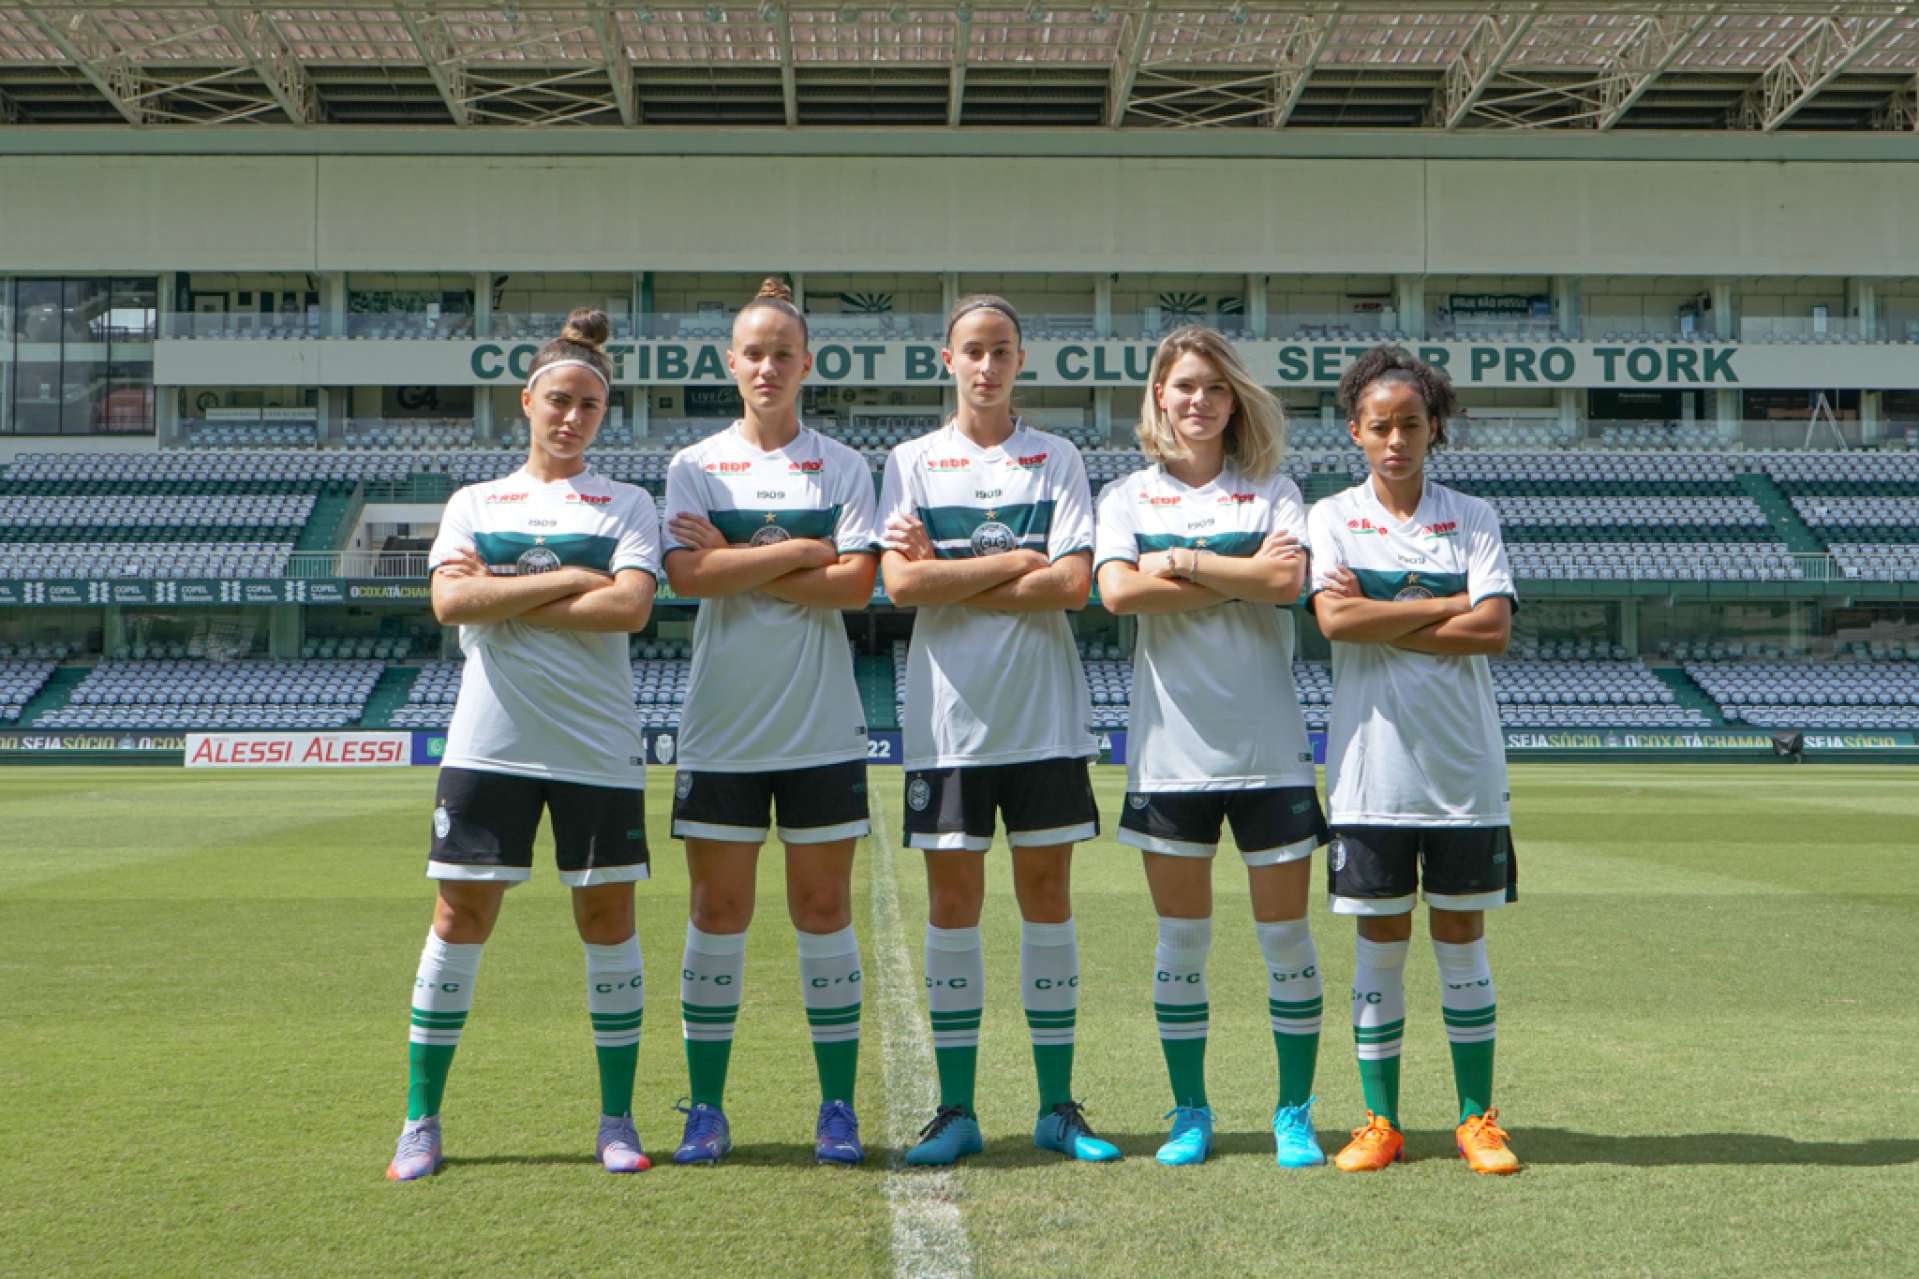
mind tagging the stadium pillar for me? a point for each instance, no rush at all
(1569, 401)
(949, 292)
(1725, 309)
(1409, 299)
(1103, 305)
(1872, 416)
(113, 632)
(798, 281)
(1566, 317)
(283, 631)
(333, 304)
(331, 407)
(1103, 413)
(1629, 626)
(1862, 305)
(1725, 407)
(642, 402)
(483, 304)
(1257, 322)
(166, 412)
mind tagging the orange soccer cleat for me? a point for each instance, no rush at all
(1482, 1142)
(1372, 1147)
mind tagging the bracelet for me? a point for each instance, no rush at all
(1192, 569)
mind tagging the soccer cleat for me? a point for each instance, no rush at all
(953, 1134)
(706, 1138)
(1064, 1128)
(1483, 1144)
(1372, 1147)
(618, 1145)
(1192, 1137)
(1294, 1144)
(836, 1138)
(418, 1154)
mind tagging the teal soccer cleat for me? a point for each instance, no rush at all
(1192, 1138)
(1064, 1128)
(953, 1134)
(1295, 1146)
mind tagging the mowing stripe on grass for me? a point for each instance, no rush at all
(929, 1239)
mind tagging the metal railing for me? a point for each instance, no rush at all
(357, 564)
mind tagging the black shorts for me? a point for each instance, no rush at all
(1044, 801)
(1374, 870)
(483, 826)
(816, 805)
(1271, 825)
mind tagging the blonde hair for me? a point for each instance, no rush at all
(1256, 432)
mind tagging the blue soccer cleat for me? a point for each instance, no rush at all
(1064, 1128)
(953, 1135)
(836, 1138)
(706, 1139)
(1294, 1144)
(1192, 1138)
(618, 1145)
(418, 1154)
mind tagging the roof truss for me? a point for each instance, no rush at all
(1809, 64)
(1303, 50)
(1493, 41)
(273, 60)
(1653, 47)
(619, 68)
(1901, 111)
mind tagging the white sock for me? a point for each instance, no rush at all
(955, 985)
(830, 984)
(1180, 1000)
(615, 992)
(710, 978)
(1379, 998)
(1049, 981)
(1466, 991)
(1295, 993)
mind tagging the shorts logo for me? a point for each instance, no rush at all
(442, 823)
(1300, 806)
(1338, 853)
(663, 748)
(683, 785)
(1137, 802)
(538, 559)
(918, 794)
(993, 538)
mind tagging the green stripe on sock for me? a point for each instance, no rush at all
(814, 1013)
(1470, 1017)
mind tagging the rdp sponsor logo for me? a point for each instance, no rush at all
(589, 499)
(298, 750)
(506, 497)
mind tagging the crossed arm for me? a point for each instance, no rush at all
(1183, 579)
(567, 599)
(800, 570)
(1445, 625)
(1019, 581)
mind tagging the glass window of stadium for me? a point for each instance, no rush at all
(1717, 630)
(76, 356)
(49, 633)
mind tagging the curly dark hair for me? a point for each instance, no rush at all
(1396, 364)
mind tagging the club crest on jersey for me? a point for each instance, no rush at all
(538, 558)
(1413, 589)
(768, 534)
(918, 794)
(993, 537)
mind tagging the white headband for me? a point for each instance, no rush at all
(560, 364)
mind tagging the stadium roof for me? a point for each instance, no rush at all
(1128, 65)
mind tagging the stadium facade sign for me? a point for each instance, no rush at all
(147, 592)
(1487, 365)
(299, 750)
(1639, 741)
(94, 743)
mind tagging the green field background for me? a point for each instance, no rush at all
(1706, 1054)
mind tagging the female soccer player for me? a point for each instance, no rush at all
(1204, 546)
(1411, 585)
(770, 524)
(989, 536)
(545, 572)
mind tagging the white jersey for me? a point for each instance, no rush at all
(988, 687)
(537, 701)
(772, 682)
(1214, 707)
(1414, 738)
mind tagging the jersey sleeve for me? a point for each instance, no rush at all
(1072, 527)
(857, 530)
(685, 485)
(1116, 535)
(1487, 571)
(896, 496)
(1289, 513)
(1323, 544)
(456, 531)
(639, 545)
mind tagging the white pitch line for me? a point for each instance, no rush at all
(929, 1238)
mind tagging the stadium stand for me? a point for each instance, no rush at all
(208, 694)
(1813, 694)
(660, 674)
(19, 681)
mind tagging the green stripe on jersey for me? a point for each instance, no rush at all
(548, 550)
(1236, 545)
(1383, 585)
(742, 526)
(959, 523)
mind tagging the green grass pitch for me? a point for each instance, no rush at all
(1706, 1057)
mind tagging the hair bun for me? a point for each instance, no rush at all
(588, 326)
(775, 288)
